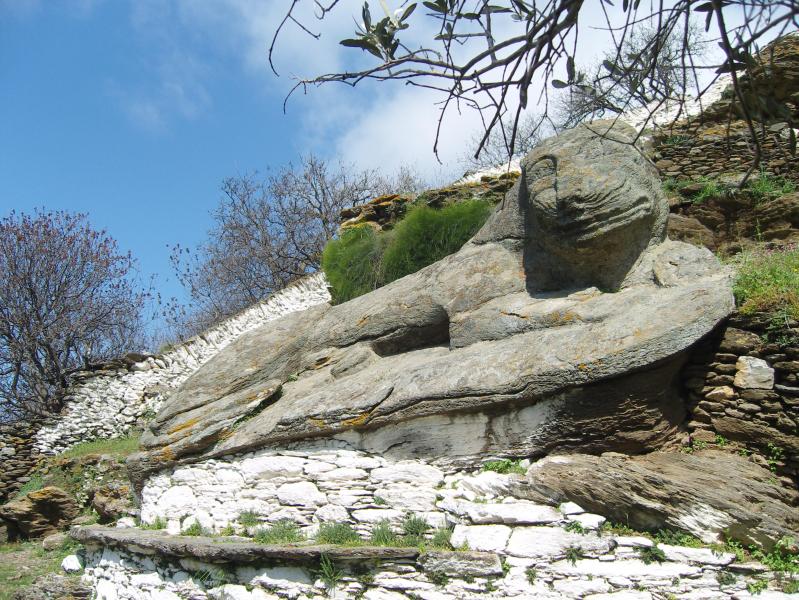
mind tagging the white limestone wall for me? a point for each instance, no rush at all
(110, 403)
(314, 483)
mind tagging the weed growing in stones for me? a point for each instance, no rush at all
(442, 538)
(195, 529)
(341, 534)
(227, 530)
(157, 523)
(573, 554)
(382, 535)
(756, 585)
(504, 466)
(330, 574)
(249, 519)
(768, 282)
(120, 446)
(505, 566)
(575, 527)
(414, 526)
(36, 482)
(284, 531)
(650, 554)
(677, 538)
(438, 578)
(725, 578)
(380, 501)
(531, 575)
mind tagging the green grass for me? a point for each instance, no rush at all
(284, 531)
(504, 466)
(23, 562)
(158, 523)
(442, 538)
(195, 529)
(362, 260)
(249, 519)
(341, 534)
(121, 446)
(710, 188)
(765, 186)
(768, 282)
(36, 482)
(382, 535)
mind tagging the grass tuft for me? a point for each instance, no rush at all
(284, 531)
(341, 534)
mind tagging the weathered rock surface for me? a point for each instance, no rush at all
(55, 587)
(706, 494)
(507, 346)
(40, 513)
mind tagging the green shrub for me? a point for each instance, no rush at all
(362, 260)
(352, 263)
(768, 282)
(426, 235)
(341, 534)
(284, 531)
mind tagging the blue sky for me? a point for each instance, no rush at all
(134, 112)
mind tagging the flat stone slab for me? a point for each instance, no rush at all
(227, 549)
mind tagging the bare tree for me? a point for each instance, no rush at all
(472, 64)
(267, 233)
(67, 298)
(648, 70)
(496, 149)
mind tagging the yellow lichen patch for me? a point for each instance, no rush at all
(166, 454)
(182, 426)
(561, 317)
(321, 362)
(320, 423)
(582, 367)
(363, 320)
(356, 421)
(226, 433)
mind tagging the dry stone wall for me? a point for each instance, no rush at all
(110, 401)
(743, 388)
(710, 150)
(17, 457)
(517, 548)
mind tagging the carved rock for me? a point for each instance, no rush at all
(562, 324)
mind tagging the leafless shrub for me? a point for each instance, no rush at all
(269, 231)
